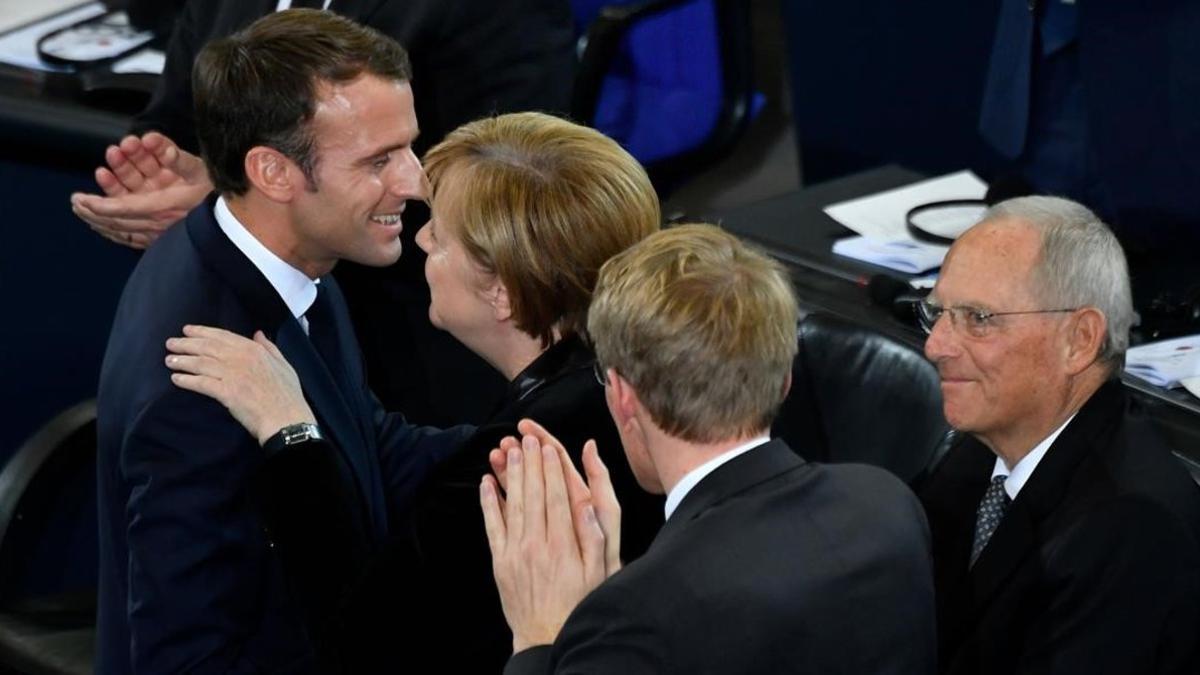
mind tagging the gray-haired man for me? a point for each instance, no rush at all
(1066, 537)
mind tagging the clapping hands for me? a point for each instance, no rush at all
(553, 537)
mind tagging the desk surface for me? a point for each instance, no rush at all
(794, 229)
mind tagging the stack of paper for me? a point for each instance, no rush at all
(1170, 363)
(879, 218)
(899, 254)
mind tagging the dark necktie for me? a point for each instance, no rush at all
(321, 328)
(991, 510)
(311, 4)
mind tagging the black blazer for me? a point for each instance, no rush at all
(769, 565)
(430, 595)
(1095, 567)
(187, 579)
(470, 59)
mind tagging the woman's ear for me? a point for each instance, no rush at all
(500, 300)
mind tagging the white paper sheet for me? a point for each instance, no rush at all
(1166, 363)
(16, 13)
(881, 216)
(144, 61)
(904, 255)
(19, 47)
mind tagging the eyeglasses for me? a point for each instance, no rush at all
(976, 322)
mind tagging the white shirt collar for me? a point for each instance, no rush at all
(1024, 469)
(693, 477)
(285, 4)
(294, 286)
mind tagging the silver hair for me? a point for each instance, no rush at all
(1081, 264)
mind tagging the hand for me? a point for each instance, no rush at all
(597, 491)
(544, 558)
(149, 184)
(250, 377)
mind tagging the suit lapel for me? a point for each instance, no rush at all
(1016, 536)
(260, 300)
(728, 480)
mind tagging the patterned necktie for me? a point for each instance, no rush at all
(991, 509)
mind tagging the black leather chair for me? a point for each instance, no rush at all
(48, 549)
(860, 396)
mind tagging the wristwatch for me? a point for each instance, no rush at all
(292, 434)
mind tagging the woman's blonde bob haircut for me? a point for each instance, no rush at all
(544, 203)
(702, 327)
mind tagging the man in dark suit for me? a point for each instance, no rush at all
(766, 563)
(1099, 101)
(306, 122)
(1066, 537)
(469, 58)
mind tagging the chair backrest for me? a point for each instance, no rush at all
(860, 396)
(671, 80)
(48, 534)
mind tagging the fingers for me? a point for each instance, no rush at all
(108, 182)
(604, 499)
(197, 383)
(266, 343)
(528, 427)
(515, 513)
(498, 458)
(592, 546)
(147, 207)
(557, 507)
(195, 365)
(98, 212)
(570, 525)
(493, 516)
(535, 491)
(207, 341)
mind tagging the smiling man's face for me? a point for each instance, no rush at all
(994, 386)
(365, 172)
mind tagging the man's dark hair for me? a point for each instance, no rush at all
(260, 85)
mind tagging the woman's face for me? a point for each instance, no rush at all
(462, 294)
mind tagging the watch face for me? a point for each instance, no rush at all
(298, 433)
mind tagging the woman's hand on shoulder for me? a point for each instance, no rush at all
(249, 377)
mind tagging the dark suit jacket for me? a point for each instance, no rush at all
(429, 596)
(187, 580)
(1139, 69)
(1095, 567)
(769, 565)
(470, 59)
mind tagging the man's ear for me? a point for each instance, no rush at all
(273, 174)
(1086, 334)
(626, 405)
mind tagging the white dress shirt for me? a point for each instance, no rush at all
(693, 477)
(296, 289)
(1024, 469)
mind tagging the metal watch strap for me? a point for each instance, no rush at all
(291, 435)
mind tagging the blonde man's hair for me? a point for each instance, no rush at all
(704, 329)
(544, 203)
